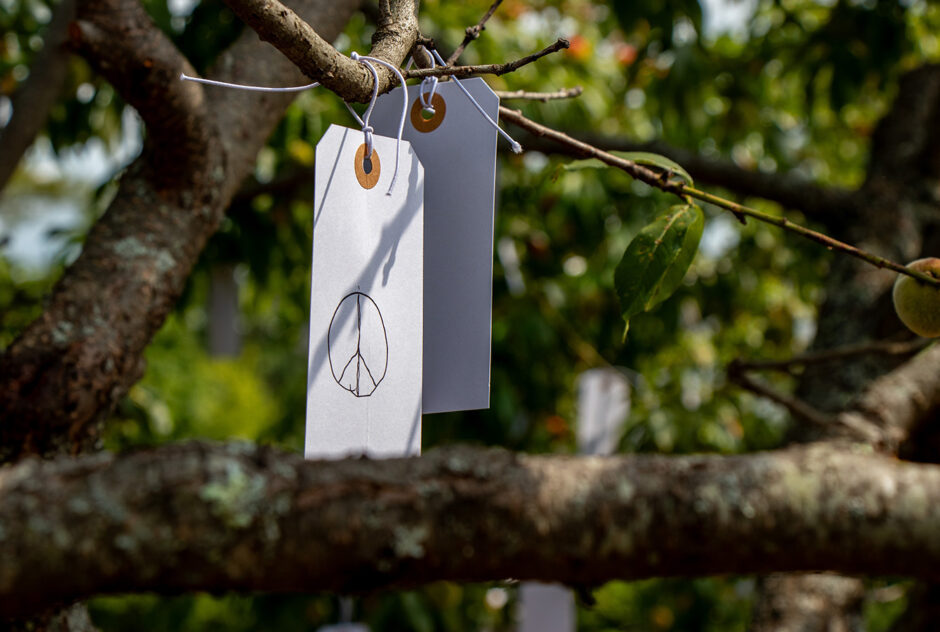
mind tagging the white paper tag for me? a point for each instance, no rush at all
(603, 406)
(364, 368)
(546, 608)
(458, 150)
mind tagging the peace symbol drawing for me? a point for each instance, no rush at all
(358, 345)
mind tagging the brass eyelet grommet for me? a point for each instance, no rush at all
(367, 180)
(428, 125)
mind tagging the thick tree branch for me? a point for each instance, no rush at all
(899, 401)
(904, 144)
(315, 56)
(884, 415)
(395, 38)
(887, 222)
(188, 517)
(122, 43)
(34, 99)
(72, 365)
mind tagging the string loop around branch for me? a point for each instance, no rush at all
(516, 147)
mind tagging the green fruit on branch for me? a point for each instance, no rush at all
(916, 303)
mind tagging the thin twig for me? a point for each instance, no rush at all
(570, 93)
(825, 240)
(662, 180)
(796, 407)
(881, 347)
(485, 69)
(473, 32)
(638, 171)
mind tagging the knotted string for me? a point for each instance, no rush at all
(516, 147)
(363, 59)
(427, 89)
(364, 121)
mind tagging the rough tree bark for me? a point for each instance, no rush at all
(71, 366)
(64, 374)
(891, 216)
(33, 100)
(236, 517)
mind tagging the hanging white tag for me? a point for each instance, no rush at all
(457, 147)
(603, 406)
(546, 608)
(364, 369)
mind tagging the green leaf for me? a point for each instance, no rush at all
(657, 259)
(644, 158)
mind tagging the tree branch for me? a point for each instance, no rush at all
(234, 517)
(394, 39)
(72, 365)
(663, 181)
(794, 406)
(884, 415)
(569, 93)
(121, 42)
(34, 99)
(899, 401)
(787, 189)
(903, 145)
(826, 356)
(472, 33)
(298, 41)
(461, 72)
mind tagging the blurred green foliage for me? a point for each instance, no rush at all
(795, 85)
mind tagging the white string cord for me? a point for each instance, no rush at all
(427, 89)
(364, 121)
(355, 114)
(516, 147)
(237, 86)
(363, 59)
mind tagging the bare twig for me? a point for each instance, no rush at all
(638, 171)
(825, 240)
(570, 93)
(485, 69)
(663, 181)
(789, 189)
(796, 407)
(473, 32)
(881, 347)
